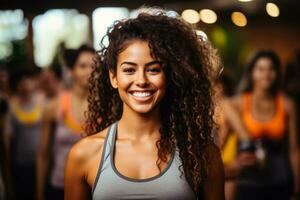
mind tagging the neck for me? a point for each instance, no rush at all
(138, 126)
(261, 94)
(25, 98)
(80, 92)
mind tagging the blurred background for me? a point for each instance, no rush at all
(37, 34)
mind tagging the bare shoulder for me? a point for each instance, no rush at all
(288, 104)
(13, 101)
(87, 148)
(234, 102)
(51, 108)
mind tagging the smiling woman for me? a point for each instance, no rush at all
(149, 118)
(139, 78)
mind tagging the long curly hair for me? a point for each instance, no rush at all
(187, 107)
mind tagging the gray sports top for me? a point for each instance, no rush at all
(110, 184)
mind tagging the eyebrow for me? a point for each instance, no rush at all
(147, 64)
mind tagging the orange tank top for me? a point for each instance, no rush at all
(273, 128)
(66, 112)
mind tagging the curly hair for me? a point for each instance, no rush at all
(187, 107)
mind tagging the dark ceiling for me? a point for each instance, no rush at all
(255, 7)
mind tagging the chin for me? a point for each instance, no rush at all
(143, 109)
(266, 87)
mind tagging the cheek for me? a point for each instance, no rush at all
(75, 72)
(80, 73)
(90, 70)
(256, 75)
(84, 71)
(273, 75)
(123, 81)
(159, 82)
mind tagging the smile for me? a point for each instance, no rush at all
(141, 95)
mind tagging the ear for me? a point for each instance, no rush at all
(113, 79)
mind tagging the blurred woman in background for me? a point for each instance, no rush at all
(63, 125)
(268, 151)
(23, 128)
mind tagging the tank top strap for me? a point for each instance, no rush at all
(279, 102)
(280, 108)
(64, 102)
(107, 150)
(246, 98)
(66, 116)
(111, 138)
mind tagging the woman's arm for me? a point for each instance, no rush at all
(213, 188)
(293, 143)
(234, 118)
(223, 132)
(82, 166)
(6, 129)
(76, 186)
(43, 157)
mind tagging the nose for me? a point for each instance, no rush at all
(141, 79)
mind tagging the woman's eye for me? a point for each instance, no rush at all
(128, 70)
(154, 70)
(82, 66)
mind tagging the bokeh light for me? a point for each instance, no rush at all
(272, 9)
(191, 16)
(104, 18)
(239, 19)
(208, 16)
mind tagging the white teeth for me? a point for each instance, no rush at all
(141, 94)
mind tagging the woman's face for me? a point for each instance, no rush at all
(139, 78)
(263, 74)
(27, 85)
(49, 83)
(82, 69)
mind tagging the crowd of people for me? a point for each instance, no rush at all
(149, 116)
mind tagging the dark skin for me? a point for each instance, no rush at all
(4, 162)
(137, 73)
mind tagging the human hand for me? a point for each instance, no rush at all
(246, 159)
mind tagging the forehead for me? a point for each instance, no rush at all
(136, 51)
(86, 55)
(28, 78)
(264, 62)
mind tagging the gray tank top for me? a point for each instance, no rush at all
(110, 184)
(26, 137)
